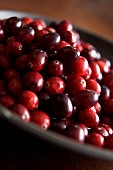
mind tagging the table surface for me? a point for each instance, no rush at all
(93, 15)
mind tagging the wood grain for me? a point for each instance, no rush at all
(17, 153)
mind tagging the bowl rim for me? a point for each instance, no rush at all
(50, 136)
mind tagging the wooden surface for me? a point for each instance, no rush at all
(17, 152)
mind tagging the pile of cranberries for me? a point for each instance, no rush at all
(51, 77)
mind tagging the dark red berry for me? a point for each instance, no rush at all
(95, 70)
(83, 126)
(10, 74)
(105, 93)
(26, 20)
(55, 68)
(93, 85)
(37, 60)
(29, 99)
(101, 130)
(7, 101)
(61, 45)
(89, 53)
(21, 62)
(107, 106)
(54, 85)
(76, 132)
(15, 86)
(103, 66)
(95, 139)
(2, 35)
(4, 62)
(38, 24)
(40, 118)
(22, 112)
(64, 26)
(33, 81)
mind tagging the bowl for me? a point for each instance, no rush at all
(106, 49)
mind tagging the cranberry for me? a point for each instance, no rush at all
(50, 29)
(108, 63)
(76, 132)
(70, 36)
(93, 85)
(108, 79)
(61, 106)
(54, 85)
(21, 62)
(89, 53)
(10, 74)
(40, 118)
(64, 26)
(95, 139)
(106, 120)
(103, 66)
(50, 40)
(84, 128)
(43, 100)
(7, 101)
(37, 60)
(86, 98)
(105, 93)
(14, 48)
(80, 66)
(26, 20)
(33, 81)
(2, 91)
(29, 99)
(2, 49)
(25, 35)
(4, 61)
(67, 54)
(55, 68)
(15, 86)
(59, 126)
(87, 73)
(109, 142)
(107, 106)
(95, 70)
(101, 130)
(89, 118)
(107, 127)
(61, 45)
(75, 84)
(38, 24)
(2, 35)
(97, 107)
(21, 111)
(39, 34)
(13, 24)
(2, 22)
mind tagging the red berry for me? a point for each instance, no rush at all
(7, 101)
(40, 118)
(64, 26)
(10, 74)
(103, 66)
(97, 107)
(4, 62)
(38, 24)
(15, 86)
(76, 132)
(83, 126)
(101, 130)
(21, 62)
(26, 21)
(95, 70)
(55, 68)
(93, 85)
(29, 99)
(89, 53)
(33, 81)
(107, 127)
(61, 45)
(54, 85)
(95, 139)
(107, 106)
(22, 112)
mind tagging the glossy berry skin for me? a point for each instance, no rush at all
(33, 81)
(105, 93)
(101, 130)
(43, 100)
(89, 118)
(2, 35)
(38, 24)
(107, 127)
(10, 74)
(40, 118)
(76, 132)
(55, 68)
(54, 85)
(37, 60)
(14, 48)
(93, 85)
(89, 53)
(83, 126)
(95, 70)
(15, 86)
(70, 36)
(67, 54)
(25, 35)
(59, 126)
(26, 20)
(64, 26)
(50, 41)
(80, 66)
(61, 106)
(86, 98)
(108, 79)
(97, 107)
(2, 91)
(61, 45)
(95, 139)
(4, 62)
(75, 84)
(21, 62)
(39, 34)
(13, 24)
(103, 66)
(29, 99)
(21, 111)
(7, 101)
(107, 106)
